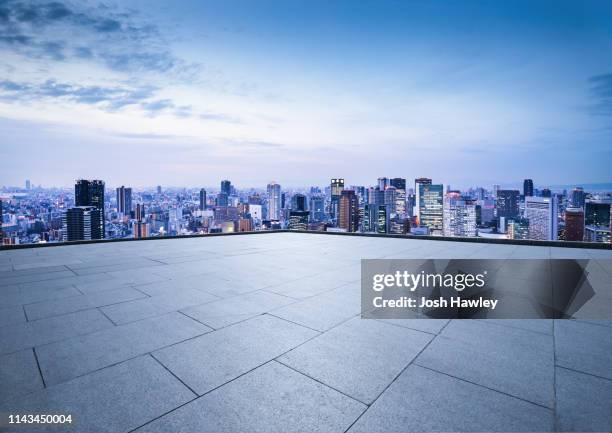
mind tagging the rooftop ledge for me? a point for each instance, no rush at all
(534, 243)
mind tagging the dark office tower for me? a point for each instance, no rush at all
(298, 220)
(370, 216)
(337, 186)
(348, 218)
(140, 212)
(226, 187)
(283, 202)
(82, 223)
(508, 203)
(574, 224)
(597, 213)
(159, 190)
(398, 183)
(317, 208)
(124, 200)
(383, 183)
(202, 199)
(382, 220)
(298, 202)
(528, 188)
(389, 198)
(546, 193)
(90, 193)
(577, 197)
(222, 199)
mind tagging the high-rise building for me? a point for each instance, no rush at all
(431, 206)
(508, 203)
(124, 200)
(389, 198)
(417, 202)
(159, 189)
(528, 188)
(459, 218)
(298, 202)
(349, 211)
(542, 215)
(226, 187)
(317, 208)
(274, 201)
(383, 183)
(518, 228)
(400, 194)
(91, 193)
(298, 220)
(597, 213)
(28, 184)
(82, 223)
(576, 198)
(202, 199)
(496, 188)
(546, 193)
(222, 199)
(382, 219)
(574, 224)
(140, 212)
(1, 222)
(336, 188)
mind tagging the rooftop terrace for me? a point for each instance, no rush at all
(262, 333)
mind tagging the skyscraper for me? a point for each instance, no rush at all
(597, 213)
(28, 184)
(82, 223)
(274, 201)
(383, 183)
(349, 211)
(528, 188)
(298, 202)
(577, 197)
(518, 228)
(226, 187)
(389, 198)
(574, 224)
(202, 199)
(91, 193)
(317, 208)
(508, 203)
(542, 215)
(400, 194)
(298, 220)
(336, 188)
(431, 206)
(417, 202)
(459, 218)
(124, 200)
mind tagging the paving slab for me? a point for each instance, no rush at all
(421, 400)
(509, 360)
(71, 358)
(115, 399)
(224, 312)
(12, 315)
(41, 310)
(359, 358)
(32, 334)
(211, 360)
(584, 402)
(432, 326)
(18, 375)
(584, 347)
(272, 398)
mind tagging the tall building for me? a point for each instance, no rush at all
(140, 212)
(496, 188)
(382, 219)
(459, 218)
(574, 224)
(546, 192)
(82, 223)
(202, 199)
(1, 222)
(542, 215)
(298, 220)
(389, 198)
(90, 193)
(317, 208)
(383, 183)
(508, 203)
(159, 189)
(518, 228)
(577, 196)
(124, 200)
(597, 213)
(528, 188)
(222, 199)
(431, 206)
(298, 202)
(28, 184)
(417, 183)
(349, 211)
(400, 194)
(226, 187)
(336, 188)
(274, 201)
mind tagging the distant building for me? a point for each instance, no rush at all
(222, 199)
(28, 185)
(317, 208)
(336, 188)
(389, 197)
(298, 202)
(542, 215)
(82, 223)
(400, 194)
(546, 193)
(528, 188)
(298, 220)
(124, 200)
(597, 213)
(383, 183)
(576, 198)
(459, 218)
(202, 199)
(518, 228)
(597, 234)
(382, 219)
(91, 193)
(574, 224)
(349, 211)
(245, 224)
(430, 199)
(226, 187)
(508, 203)
(274, 201)
(159, 189)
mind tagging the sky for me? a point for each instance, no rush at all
(187, 93)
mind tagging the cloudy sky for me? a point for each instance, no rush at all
(187, 93)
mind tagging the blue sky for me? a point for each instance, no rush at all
(187, 93)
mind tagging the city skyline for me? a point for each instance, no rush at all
(153, 93)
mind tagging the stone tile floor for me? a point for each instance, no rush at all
(262, 333)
